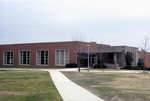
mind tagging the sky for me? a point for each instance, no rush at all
(113, 22)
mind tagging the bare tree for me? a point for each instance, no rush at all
(145, 48)
(79, 48)
(102, 56)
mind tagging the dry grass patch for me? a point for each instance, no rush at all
(114, 86)
(12, 93)
(135, 84)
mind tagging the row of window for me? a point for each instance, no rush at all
(42, 57)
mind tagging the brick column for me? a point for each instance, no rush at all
(115, 61)
(115, 58)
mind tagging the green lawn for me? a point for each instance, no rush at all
(35, 67)
(27, 86)
(114, 86)
(99, 69)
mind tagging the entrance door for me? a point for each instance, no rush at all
(84, 63)
(92, 60)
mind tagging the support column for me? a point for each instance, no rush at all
(115, 58)
(96, 58)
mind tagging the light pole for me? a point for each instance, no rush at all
(88, 45)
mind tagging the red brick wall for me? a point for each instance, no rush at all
(147, 58)
(51, 47)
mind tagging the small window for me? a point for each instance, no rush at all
(24, 58)
(42, 57)
(8, 58)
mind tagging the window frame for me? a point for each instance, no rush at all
(40, 58)
(56, 64)
(9, 60)
(26, 57)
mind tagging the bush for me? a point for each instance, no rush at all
(129, 59)
(132, 67)
(145, 68)
(99, 66)
(140, 63)
(148, 68)
(71, 65)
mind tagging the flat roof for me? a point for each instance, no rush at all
(107, 51)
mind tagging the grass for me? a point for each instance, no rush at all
(35, 67)
(114, 86)
(27, 86)
(99, 69)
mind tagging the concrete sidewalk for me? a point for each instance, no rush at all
(70, 91)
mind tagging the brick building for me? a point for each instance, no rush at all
(58, 54)
(147, 58)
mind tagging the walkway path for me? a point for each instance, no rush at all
(70, 91)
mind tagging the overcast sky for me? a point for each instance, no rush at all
(113, 22)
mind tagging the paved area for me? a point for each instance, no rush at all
(70, 91)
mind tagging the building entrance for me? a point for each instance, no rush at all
(92, 61)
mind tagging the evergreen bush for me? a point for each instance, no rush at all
(132, 67)
(129, 59)
(141, 64)
(145, 68)
(99, 66)
(148, 68)
(71, 65)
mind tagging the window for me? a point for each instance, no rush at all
(61, 57)
(8, 58)
(42, 57)
(24, 58)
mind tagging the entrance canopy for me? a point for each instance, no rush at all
(106, 51)
(110, 57)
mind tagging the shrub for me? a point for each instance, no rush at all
(132, 67)
(129, 59)
(145, 68)
(140, 63)
(99, 66)
(136, 68)
(148, 68)
(71, 65)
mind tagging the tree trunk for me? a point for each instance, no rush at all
(101, 61)
(144, 63)
(78, 64)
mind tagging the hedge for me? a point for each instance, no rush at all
(99, 66)
(71, 65)
(148, 68)
(132, 67)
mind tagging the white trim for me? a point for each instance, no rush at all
(44, 57)
(10, 56)
(64, 61)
